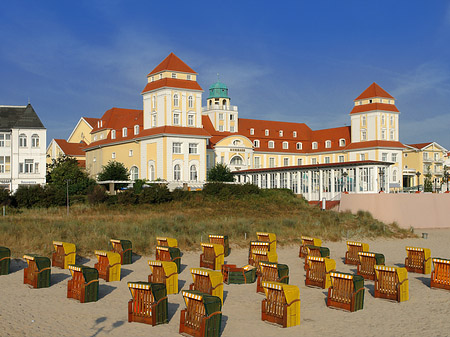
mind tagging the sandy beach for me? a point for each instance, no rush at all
(47, 312)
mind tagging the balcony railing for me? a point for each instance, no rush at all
(220, 107)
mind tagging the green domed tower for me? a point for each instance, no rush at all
(218, 94)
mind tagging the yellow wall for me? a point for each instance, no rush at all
(81, 133)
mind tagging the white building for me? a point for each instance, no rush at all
(22, 147)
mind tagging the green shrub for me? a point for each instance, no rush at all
(155, 194)
(97, 195)
(29, 196)
(127, 197)
(5, 198)
(222, 190)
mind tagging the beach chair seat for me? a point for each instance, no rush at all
(308, 241)
(124, 248)
(353, 248)
(418, 260)
(108, 265)
(317, 251)
(164, 272)
(272, 272)
(166, 242)
(258, 256)
(319, 271)
(281, 305)
(346, 292)
(234, 275)
(391, 283)
(149, 303)
(367, 262)
(212, 256)
(84, 284)
(207, 281)
(221, 240)
(202, 316)
(171, 254)
(38, 271)
(440, 276)
(5, 260)
(65, 254)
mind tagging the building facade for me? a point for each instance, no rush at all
(22, 147)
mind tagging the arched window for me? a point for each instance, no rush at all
(394, 175)
(328, 144)
(151, 172)
(256, 143)
(285, 145)
(175, 100)
(271, 144)
(252, 131)
(281, 133)
(383, 120)
(341, 142)
(113, 134)
(363, 120)
(136, 129)
(22, 140)
(236, 142)
(314, 145)
(153, 102)
(193, 173)
(236, 160)
(177, 172)
(190, 102)
(134, 173)
(124, 132)
(35, 140)
(224, 102)
(299, 146)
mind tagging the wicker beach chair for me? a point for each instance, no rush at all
(170, 254)
(166, 242)
(124, 248)
(281, 305)
(164, 272)
(65, 254)
(319, 271)
(38, 271)
(108, 265)
(258, 255)
(440, 276)
(418, 260)
(367, 262)
(5, 260)
(149, 303)
(316, 251)
(202, 316)
(207, 281)
(234, 275)
(353, 248)
(272, 272)
(391, 283)
(84, 284)
(212, 256)
(346, 292)
(308, 241)
(221, 240)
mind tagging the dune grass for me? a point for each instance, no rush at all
(189, 220)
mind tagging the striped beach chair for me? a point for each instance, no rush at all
(212, 256)
(316, 251)
(391, 283)
(84, 284)
(171, 254)
(367, 262)
(38, 271)
(258, 255)
(164, 272)
(353, 248)
(221, 240)
(108, 265)
(271, 238)
(202, 316)
(272, 272)
(65, 254)
(149, 303)
(234, 275)
(440, 276)
(281, 305)
(308, 241)
(418, 260)
(124, 248)
(346, 292)
(319, 271)
(166, 242)
(207, 281)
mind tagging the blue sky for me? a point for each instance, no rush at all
(297, 61)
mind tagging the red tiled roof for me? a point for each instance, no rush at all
(118, 118)
(420, 145)
(172, 62)
(374, 90)
(374, 106)
(91, 121)
(375, 143)
(71, 149)
(172, 83)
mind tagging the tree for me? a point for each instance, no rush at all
(427, 183)
(220, 172)
(66, 169)
(114, 171)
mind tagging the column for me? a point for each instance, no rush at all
(309, 185)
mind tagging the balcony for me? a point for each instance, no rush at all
(220, 107)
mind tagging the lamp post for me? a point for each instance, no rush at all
(345, 174)
(380, 172)
(418, 175)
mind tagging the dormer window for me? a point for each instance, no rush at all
(113, 134)
(294, 134)
(188, 77)
(256, 143)
(153, 78)
(285, 145)
(124, 132)
(136, 129)
(281, 133)
(314, 145)
(370, 101)
(266, 132)
(174, 75)
(299, 146)
(252, 131)
(271, 144)
(328, 144)
(341, 142)
(160, 76)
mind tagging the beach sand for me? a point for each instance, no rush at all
(47, 312)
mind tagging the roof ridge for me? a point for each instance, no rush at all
(174, 63)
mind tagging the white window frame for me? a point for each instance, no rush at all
(35, 141)
(328, 144)
(136, 130)
(193, 176)
(294, 134)
(190, 102)
(134, 173)
(176, 118)
(176, 147)
(22, 140)
(256, 143)
(299, 161)
(266, 132)
(314, 145)
(130, 153)
(252, 131)
(341, 159)
(191, 120)
(221, 116)
(299, 146)
(271, 162)
(174, 75)
(280, 133)
(286, 161)
(285, 145)
(176, 100)
(113, 134)
(124, 132)
(271, 144)
(342, 142)
(193, 148)
(363, 134)
(113, 155)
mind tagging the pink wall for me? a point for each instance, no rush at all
(421, 210)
